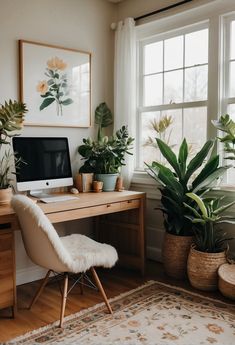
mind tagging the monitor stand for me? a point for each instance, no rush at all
(39, 194)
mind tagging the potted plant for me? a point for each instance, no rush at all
(105, 156)
(11, 120)
(174, 182)
(208, 250)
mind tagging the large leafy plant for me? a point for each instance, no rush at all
(106, 154)
(207, 213)
(11, 120)
(180, 178)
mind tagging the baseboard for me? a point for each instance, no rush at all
(29, 274)
(154, 253)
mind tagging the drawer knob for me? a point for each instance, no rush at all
(129, 201)
(108, 205)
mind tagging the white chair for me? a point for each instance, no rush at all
(69, 254)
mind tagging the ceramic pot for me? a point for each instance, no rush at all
(5, 196)
(175, 254)
(109, 181)
(203, 267)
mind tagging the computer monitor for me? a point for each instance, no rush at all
(47, 163)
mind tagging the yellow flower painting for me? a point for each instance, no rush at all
(55, 89)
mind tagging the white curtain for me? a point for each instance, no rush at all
(125, 86)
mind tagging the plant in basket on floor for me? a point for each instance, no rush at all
(208, 251)
(105, 156)
(11, 120)
(175, 180)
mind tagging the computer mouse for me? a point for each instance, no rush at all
(74, 190)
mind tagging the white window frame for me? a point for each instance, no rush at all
(216, 14)
(164, 107)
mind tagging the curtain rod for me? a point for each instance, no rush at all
(163, 9)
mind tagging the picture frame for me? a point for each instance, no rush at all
(55, 84)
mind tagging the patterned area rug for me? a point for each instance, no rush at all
(153, 314)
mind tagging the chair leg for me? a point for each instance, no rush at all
(100, 287)
(64, 298)
(41, 287)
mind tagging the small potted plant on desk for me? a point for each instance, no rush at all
(105, 156)
(208, 251)
(11, 119)
(175, 179)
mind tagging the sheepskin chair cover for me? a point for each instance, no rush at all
(74, 253)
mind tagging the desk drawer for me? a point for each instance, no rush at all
(84, 212)
(130, 204)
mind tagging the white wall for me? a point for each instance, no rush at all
(78, 24)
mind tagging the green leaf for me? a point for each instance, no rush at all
(170, 181)
(198, 160)
(103, 118)
(207, 170)
(46, 102)
(167, 152)
(199, 202)
(183, 155)
(208, 182)
(67, 101)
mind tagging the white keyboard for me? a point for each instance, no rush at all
(58, 198)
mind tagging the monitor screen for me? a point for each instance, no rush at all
(47, 162)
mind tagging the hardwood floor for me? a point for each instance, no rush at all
(47, 308)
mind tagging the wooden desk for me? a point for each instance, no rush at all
(124, 230)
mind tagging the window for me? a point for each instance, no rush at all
(186, 70)
(228, 96)
(173, 82)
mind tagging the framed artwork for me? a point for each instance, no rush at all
(55, 83)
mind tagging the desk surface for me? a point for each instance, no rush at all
(85, 200)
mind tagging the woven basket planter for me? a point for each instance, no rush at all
(226, 284)
(175, 254)
(203, 267)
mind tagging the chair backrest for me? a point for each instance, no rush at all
(40, 238)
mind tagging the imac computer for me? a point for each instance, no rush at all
(46, 164)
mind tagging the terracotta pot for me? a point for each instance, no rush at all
(5, 196)
(175, 254)
(203, 267)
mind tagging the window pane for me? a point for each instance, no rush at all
(232, 41)
(153, 90)
(173, 87)
(232, 79)
(196, 83)
(196, 48)
(173, 53)
(195, 127)
(231, 111)
(175, 132)
(148, 150)
(153, 58)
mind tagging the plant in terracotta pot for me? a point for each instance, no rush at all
(175, 180)
(105, 156)
(11, 120)
(208, 251)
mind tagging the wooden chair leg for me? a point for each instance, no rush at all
(64, 298)
(41, 287)
(100, 287)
